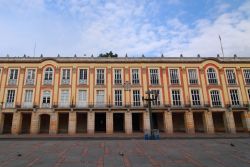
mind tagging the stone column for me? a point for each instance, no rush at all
(128, 122)
(16, 123)
(229, 122)
(168, 122)
(245, 116)
(35, 123)
(53, 123)
(72, 123)
(91, 122)
(20, 86)
(189, 122)
(109, 122)
(1, 122)
(208, 122)
(146, 121)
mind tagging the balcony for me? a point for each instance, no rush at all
(30, 82)
(64, 105)
(47, 82)
(27, 105)
(12, 82)
(82, 105)
(45, 105)
(9, 105)
(65, 82)
(83, 81)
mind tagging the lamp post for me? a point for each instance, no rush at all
(149, 100)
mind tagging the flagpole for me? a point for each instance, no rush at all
(221, 47)
(35, 50)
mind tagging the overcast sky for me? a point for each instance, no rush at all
(135, 27)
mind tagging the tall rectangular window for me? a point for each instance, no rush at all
(118, 97)
(195, 97)
(100, 76)
(46, 99)
(82, 98)
(231, 79)
(154, 76)
(118, 76)
(234, 97)
(136, 98)
(30, 79)
(211, 76)
(156, 95)
(193, 77)
(83, 76)
(247, 76)
(13, 77)
(10, 98)
(174, 76)
(64, 100)
(66, 76)
(215, 97)
(176, 98)
(100, 97)
(135, 76)
(28, 98)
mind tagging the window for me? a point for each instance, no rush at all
(136, 98)
(195, 97)
(176, 97)
(193, 77)
(156, 102)
(174, 76)
(13, 77)
(100, 77)
(215, 97)
(118, 97)
(10, 98)
(234, 97)
(211, 75)
(248, 91)
(83, 76)
(48, 76)
(82, 98)
(28, 98)
(30, 79)
(118, 76)
(154, 76)
(46, 99)
(231, 79)
(100, 97)
(247, 76)
(135, 76)
(64, 100)
(66, 76)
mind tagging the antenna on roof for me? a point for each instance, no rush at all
(35, 49)
(221, 47)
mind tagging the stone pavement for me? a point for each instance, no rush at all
(128, 153)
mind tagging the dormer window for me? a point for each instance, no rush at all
(48, 76)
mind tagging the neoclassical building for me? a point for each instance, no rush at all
(78, 95)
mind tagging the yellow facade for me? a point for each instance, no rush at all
(89, 95)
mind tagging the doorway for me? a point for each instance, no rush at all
(100, 122)
(118, 122)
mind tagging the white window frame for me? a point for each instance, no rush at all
(159, 98)
(178, 75)
(154, 76)
(139, 76)
(28, 104)
(14, 80)
(231, 77)
(83, 81)
(246, 76)
(10, 104)
(48, 82)
(28, 80)
(104, 76)
(64, 102)
(220, 98)
(115, 76)
(118, 102)
(239, 97)
(212, 76)
(197, 76)
(200, 97)
(104, 98)
(132, 98)
(82, 103)
(66, 80)
(46, 105)
(180, 100)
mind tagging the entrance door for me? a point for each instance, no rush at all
(81, 123)
(100, 122)
(118, 120)
(218, 120)
(158, 121)
(63, 123)
(26, 121)
(137, 122)
(198, 121)
(44, 123)
(7, 123)
(178, 122)
(238, 121)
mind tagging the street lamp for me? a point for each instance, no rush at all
(149, 100)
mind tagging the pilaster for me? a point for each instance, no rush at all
(72, 123)
(168, 122)
(16, 123)
(35, 123)
(246, 120)
(128, 122)
(91, 122)
(109, 122)
(146, 121)
(208, 122)
(53, 123)
(189, 122)
(229, 122)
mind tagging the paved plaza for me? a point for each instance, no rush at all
(128, 153)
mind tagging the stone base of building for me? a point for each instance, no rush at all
(128, 122)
